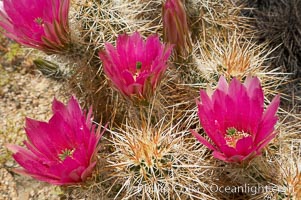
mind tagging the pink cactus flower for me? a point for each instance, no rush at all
(38, 24)
(135, 67)
(235, 120)
(62, 151)
(175, 27)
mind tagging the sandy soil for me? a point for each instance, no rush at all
(23, 93)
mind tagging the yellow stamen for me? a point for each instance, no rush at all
(65, 153)
(138, 67)
(233, 135)
(39, 21)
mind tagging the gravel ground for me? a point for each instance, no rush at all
(23, 93)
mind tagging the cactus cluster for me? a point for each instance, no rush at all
(168, 82)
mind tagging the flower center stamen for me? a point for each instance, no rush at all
(138, 67)
(65, 153)
(39, 21)
(233, 135)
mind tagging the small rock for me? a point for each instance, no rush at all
(9, 164)
(32, 193)
(7, 185)
(18, 104)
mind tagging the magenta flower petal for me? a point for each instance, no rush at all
(135, 67)
(223, 85)
(88, 171)
(30, 162)
(202, 140)
(244, 146)
(263, 143)
(228, 151)
(220, 156)
(38, 24)
(37, 134)
(205, 99)
(266, 127)
(254, 89)
(61, 151)
(235, 120)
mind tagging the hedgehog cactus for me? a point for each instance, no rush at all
(149, 152)
(153, 160)
(38, 24)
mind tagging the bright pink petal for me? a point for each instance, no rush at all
(269, 120)
(222, 84)
(254, 88)
(59, 107)
(88, 171)
(37, 134)
(228, 151)
(74, 109)
(205, 99)
(244, 146)
(220, 156)
(202, 140)
(265, 142)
